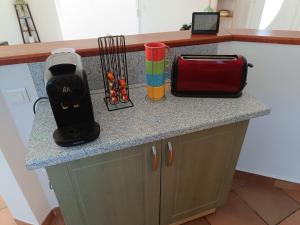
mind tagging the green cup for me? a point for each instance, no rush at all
(155, 67)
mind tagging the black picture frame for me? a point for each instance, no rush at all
(200, 31)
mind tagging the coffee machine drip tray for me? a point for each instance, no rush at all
(77, 134)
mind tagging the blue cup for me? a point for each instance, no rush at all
(155, 80)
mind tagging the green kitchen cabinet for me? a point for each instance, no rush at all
(119, 188)
(197, 171)
(166, 182)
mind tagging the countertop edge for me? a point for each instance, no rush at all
(234, 119)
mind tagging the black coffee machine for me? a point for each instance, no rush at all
(69, 96)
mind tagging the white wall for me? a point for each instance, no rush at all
(272, 143)
(288, 17)
(15, 77)
(46, 19)
(168, 15)
(44, 15)
(13, 151)
(9, 27)
(13, 195)
(247, 14)
(97, 18)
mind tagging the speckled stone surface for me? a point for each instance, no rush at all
(135, 64)
(145, 122)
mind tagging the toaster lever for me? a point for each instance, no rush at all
(250, 65)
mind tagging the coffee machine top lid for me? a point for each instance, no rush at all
(62, 63)
(63, 50)
(64, 72)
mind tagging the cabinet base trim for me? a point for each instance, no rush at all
(185, 220)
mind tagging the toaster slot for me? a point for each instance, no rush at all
(209, 57)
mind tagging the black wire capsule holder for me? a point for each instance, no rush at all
(112, 52)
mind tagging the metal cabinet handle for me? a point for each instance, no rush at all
(170, 156)
(154, 158)
(50, 185)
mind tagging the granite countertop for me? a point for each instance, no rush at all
(143, 123)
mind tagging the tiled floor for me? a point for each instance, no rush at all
(59, 220)
(257, 200)
(253, 200)
(5, 215)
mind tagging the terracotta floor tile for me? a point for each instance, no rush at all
(200, 221)
(18, 222)
(6, 217)
(293, 219)
(237, 183)
(234, 212)
(58, 221)
(272, 204)
(287, 185)
(293, 194)
(243, 178)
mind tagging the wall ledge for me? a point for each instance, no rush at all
(29, 53)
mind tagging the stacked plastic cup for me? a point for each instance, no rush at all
(155, 70)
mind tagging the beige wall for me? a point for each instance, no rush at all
(13, 151)
(9, 28)
(247, 14)
(46, 19)
(271, 146)
(6, 217)
(168, 15)
(13, 195)
(44, 15)
(288, 17)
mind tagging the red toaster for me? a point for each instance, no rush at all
(209, 75)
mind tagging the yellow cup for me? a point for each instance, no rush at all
(155, 93)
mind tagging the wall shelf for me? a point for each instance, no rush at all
(226, 21)
(26, 23)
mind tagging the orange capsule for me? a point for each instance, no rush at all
(122, 83)
(110, 76)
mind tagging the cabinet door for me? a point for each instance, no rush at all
(118, 188)
(197, 171)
